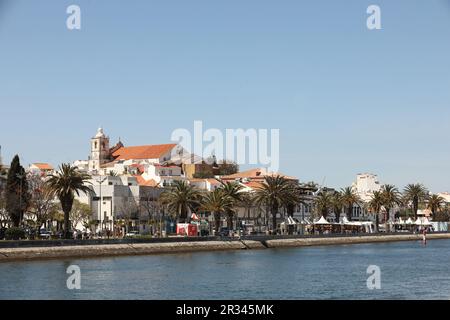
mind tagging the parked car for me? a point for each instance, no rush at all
(45, 234)
(224, 232)
(132, 234)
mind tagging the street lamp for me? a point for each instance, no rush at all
(100, 180)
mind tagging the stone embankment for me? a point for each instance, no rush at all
(18, 252)
(304, 242)
(90, 251)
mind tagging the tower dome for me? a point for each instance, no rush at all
(100, 133)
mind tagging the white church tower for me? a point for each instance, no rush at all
(99, 151)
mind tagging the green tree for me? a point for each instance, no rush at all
(349, 198)
(435, 203)
(442, 215)
(16, 193)
(323, 203)
(233, 190)
(112, 173)
(248, 201)
(227, 168)
(80, 213)
(64, 184)
(274, 193)
(180, 198)
(337, 205)
(391, 197)
(42, 203)
(415, 194)
(375, 205)
(217, 202)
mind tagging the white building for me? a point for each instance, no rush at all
(205, 184)
(40, 168)
(117, 198)
(365, 185)
(445, 196)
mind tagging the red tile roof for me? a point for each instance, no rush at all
(146, 183)
(254, 185)
(43, 166)
(210, 180)
(255, 174)
(143, 152)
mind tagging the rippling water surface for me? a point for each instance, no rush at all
(409, 270)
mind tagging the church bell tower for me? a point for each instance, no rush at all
(99, 151)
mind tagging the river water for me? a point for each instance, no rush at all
(409, 270)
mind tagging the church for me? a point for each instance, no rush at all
(152, 165)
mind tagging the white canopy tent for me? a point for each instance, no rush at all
(321, 221)
(422, 222)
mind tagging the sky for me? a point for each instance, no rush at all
(346, 99)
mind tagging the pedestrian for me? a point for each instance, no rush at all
(424, 236)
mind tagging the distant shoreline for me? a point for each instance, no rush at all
(130, 249)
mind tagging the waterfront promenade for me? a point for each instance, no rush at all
(38, 250)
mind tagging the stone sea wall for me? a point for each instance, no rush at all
(108, 250)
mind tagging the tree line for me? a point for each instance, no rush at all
(43, 199)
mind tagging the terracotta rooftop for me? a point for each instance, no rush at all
(254, 185)
(255, 174)
(43, 166)
(146, 183)
(143, 152)
(210, 180)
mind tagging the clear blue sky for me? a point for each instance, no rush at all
(346, 99)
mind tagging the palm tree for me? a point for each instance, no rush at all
(112, 173)
(435, 203)
(234, 191)
(248, 201)
(180, 198)
(375, 205)
(415, 193)
(67, 182)
(336, 205)
(390, 198)
(217, 202)
(349, 198)
(275, 193)
(323, 203)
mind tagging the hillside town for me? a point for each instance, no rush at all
(163, 190)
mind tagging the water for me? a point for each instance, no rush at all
(408, 271)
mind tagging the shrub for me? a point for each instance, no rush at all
(15, 234)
